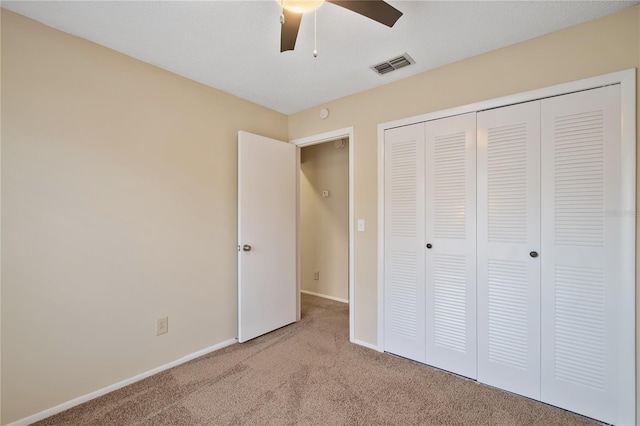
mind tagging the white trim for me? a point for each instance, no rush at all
(627, 360)
(100, 392)
(366, 345)
(380, 339)
(627, 81)
(298, 260)
(324, 137)
(324, 296)
(352, 237)
(346, 132)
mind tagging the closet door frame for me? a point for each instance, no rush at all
(627, 81)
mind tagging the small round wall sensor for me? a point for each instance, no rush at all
(324, 113)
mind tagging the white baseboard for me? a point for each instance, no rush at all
(366, 345)
(84, 398)
(324, 296)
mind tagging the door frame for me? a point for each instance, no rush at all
(627, 81)
(346, 132)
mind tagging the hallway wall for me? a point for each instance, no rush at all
(324, 221)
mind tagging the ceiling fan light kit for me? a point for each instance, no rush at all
(301, 6)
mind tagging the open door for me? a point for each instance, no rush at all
(267, 297)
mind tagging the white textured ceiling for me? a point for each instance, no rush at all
(234, 45)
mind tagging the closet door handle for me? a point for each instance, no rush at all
(429, 245)
(533, 254)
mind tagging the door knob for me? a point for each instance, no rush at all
(246, 247)
(533, 254)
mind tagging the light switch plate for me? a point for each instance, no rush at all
(360, 225)
(162, 326)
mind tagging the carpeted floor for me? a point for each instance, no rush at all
(309, 373)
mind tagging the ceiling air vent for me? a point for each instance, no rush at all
(393, 64)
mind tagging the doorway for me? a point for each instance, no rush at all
(329, 151)
(324, 220)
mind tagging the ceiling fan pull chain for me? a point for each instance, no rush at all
(315, 33)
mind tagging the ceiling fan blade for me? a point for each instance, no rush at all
(378, 10)
(289, 31)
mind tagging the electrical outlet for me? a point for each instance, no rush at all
(316, 275)
(162, 326)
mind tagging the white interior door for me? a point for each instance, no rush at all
(404, 225)
(582, 225)
(508, 243)
(267, 297)
(451, 244)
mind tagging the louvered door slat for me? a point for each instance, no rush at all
(450, 228)
(508, 230)
(581, 249)
(404, 297)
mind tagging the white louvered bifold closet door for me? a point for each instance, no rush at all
(451, 244)
(508, 231)
(581, 241)
(404, 297)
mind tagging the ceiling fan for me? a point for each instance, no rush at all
(292, 11)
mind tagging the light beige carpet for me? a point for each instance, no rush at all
(309, 373)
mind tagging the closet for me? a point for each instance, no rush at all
(502, 258)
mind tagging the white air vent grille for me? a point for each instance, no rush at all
(393, 64)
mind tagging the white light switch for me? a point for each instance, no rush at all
(360, 225)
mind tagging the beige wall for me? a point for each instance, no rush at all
(324, 222)
(591, 49)
(118, 207)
